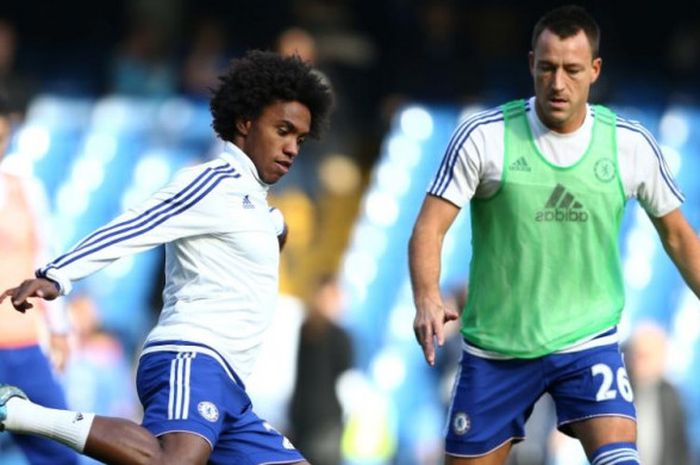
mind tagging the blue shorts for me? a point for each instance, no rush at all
(41, 387)
(192, 389)
(493, 398)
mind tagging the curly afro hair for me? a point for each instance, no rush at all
(261, 78)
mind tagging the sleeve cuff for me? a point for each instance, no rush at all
(52, 274)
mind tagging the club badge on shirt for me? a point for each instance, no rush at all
(208, 411)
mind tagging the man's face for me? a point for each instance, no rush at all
(272, 141)
(563, 71)
(4, 135)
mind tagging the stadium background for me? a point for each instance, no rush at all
(111, 100)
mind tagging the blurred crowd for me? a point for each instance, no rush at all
(376, 55)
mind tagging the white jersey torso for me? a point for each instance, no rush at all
(222, 257)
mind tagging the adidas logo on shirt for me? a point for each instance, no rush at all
(520, 165)
(562, 207)
(247, 203)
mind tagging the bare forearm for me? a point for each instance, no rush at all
(424, 264)
(682, 245)
(425, 249)
(685, 253)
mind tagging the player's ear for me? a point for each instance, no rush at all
(243, 126)
(596, 67)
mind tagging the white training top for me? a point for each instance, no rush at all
(473, 162)
(221, 257)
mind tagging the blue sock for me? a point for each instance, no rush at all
(616, 453)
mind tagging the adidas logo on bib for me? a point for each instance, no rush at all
(520, 165)
(561, 207)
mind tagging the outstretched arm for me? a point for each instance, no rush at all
(425, 248)
(682, 245)
(188, 206)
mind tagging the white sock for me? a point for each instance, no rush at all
(65, 426)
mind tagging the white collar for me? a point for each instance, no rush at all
(233, 155)
(541, 129)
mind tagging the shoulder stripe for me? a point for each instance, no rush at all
(148, 220)
(663, 167)
(461, 134)
(152, 212)
(446, 172)
(134, 231)
(160, 206)
(456, 136)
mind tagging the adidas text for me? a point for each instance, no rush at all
(561, 215)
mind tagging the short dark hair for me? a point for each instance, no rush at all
(261, 78)
(565, 21)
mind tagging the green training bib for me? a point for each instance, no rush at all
(545, 269)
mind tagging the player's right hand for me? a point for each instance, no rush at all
(37, 287)
(429, 324)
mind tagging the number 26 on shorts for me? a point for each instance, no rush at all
(606, 390)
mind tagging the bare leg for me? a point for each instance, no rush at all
(497, 457)
(121, 442)
(597, 432)
(111, 440)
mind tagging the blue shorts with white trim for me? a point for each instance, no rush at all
(188, 390)
(494, 398)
